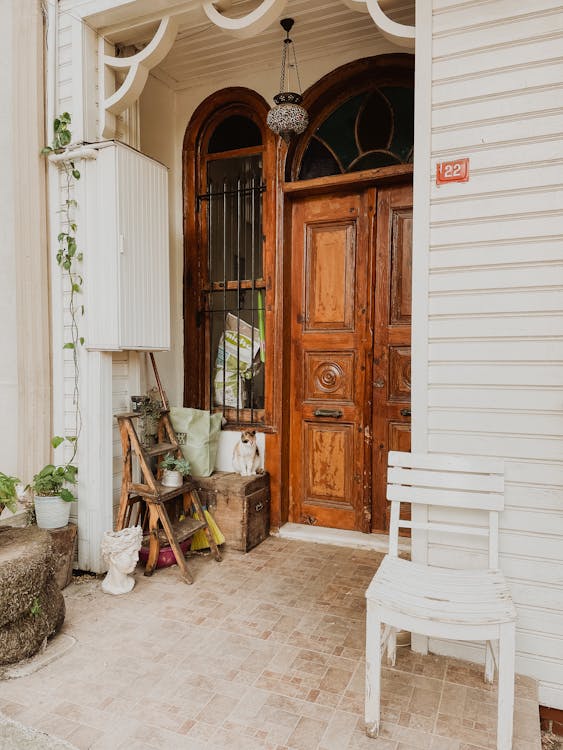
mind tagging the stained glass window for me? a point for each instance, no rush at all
(369, 130)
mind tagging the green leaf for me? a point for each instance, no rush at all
(81, 339)
(80, 256)
(66, 495)
(65, 117)
(72, 438)
(45, 150)
(65, 137)
(73, 227)
(56, 441)
(76, 174)
(76, 288)
(68, 345)
(66, 265)
(56, 124)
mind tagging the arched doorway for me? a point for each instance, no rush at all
(348, 192)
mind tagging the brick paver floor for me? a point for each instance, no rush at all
(265, 651)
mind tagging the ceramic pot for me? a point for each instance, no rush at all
(171, 478)
(51, 512)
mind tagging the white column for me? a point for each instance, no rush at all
(25, 392)
(95, 459)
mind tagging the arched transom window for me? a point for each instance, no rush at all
(369, 130)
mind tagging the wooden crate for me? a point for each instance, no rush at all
(240, 505)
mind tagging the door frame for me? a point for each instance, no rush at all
(289, 192)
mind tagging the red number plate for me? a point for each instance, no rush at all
(452, 171)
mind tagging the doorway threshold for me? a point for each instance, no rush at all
(339, 537)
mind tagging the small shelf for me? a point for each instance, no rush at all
(159, 448)
(182, 530)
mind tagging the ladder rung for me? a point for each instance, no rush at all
(160, 448)
(162, 492)
(182, 531)
(136, 414)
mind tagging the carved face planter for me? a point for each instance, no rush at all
(120, 549)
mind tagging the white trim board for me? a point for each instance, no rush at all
(338, 537)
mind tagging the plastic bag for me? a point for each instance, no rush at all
(237, 358)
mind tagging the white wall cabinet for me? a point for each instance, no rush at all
(125, 240)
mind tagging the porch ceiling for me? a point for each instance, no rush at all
(202, 51)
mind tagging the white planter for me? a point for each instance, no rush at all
(51, 512)
(171, 478)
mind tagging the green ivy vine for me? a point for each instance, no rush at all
(68, 257)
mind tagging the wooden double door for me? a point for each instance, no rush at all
(351, 278)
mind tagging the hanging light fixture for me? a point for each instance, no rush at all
(288, 117)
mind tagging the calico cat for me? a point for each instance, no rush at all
(246, 457)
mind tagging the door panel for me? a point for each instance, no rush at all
(401, 266)
(331, 354)
(351, 280)
(392, 338)
(327, 479)
(329, 291)
(329, 376)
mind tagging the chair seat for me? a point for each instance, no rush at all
(469, 597)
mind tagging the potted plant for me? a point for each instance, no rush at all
(174, 470)
(8, 493)
(52, 498)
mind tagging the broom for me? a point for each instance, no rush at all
(200, 540)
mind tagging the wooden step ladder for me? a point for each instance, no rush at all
(149, 493)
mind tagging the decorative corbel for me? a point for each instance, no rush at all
(253, 23)
(400, 34)
(137, 67)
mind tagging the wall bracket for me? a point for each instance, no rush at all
(138, 67)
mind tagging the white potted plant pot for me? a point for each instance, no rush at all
(171, 478)
(51, 512)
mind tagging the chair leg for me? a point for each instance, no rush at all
(505, 686)
(491, 661)
(419, 644)
(373, 670)
(392, 647)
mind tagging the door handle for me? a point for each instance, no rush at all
(336, 413)
(405, 412)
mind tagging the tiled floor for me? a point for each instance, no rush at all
(263, 651)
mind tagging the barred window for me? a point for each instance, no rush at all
(233, 289)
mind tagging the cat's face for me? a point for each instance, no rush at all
(248, 436)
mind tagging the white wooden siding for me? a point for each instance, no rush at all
(495, 301)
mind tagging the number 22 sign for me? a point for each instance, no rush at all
(452, 171)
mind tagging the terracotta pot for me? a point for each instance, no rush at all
(51, 512)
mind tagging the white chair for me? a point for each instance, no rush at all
(467, 605)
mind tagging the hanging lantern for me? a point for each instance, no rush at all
(288, 117)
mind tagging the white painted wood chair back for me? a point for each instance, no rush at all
(444, 603)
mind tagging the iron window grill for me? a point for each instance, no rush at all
(234, 293)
